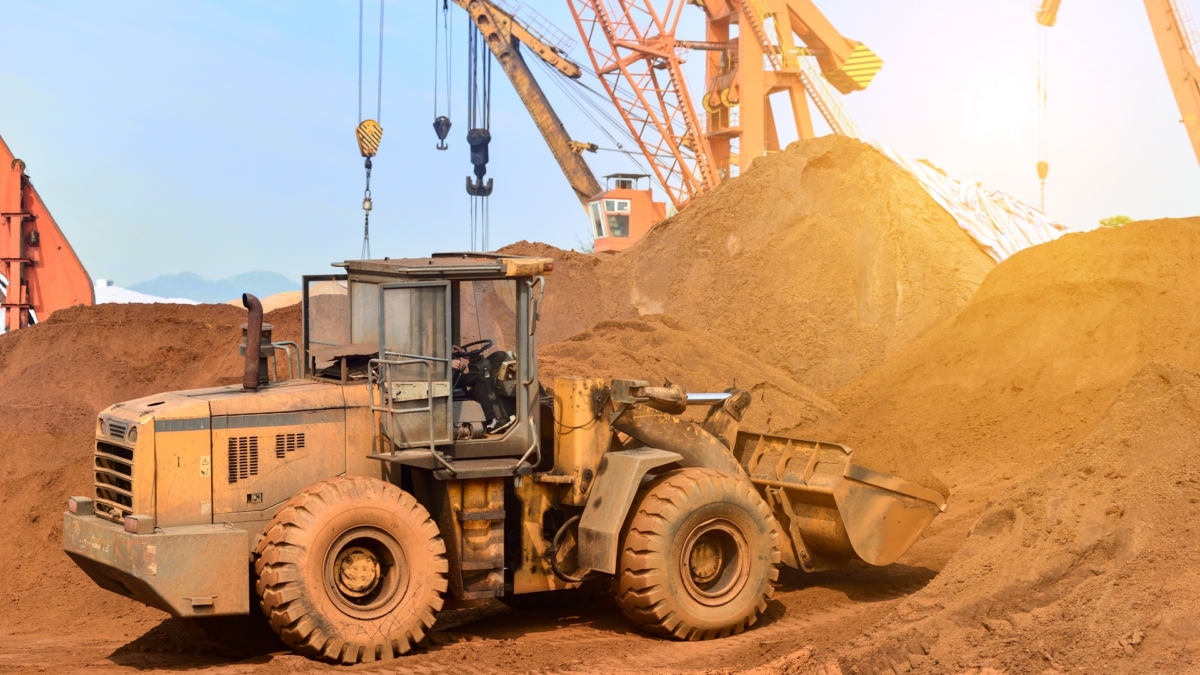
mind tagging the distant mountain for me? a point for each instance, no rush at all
(192, 286)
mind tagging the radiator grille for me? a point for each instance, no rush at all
(117, 429)
(243, 457)
(114, 480)
(285, 443)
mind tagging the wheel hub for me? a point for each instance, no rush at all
(706, 560)
(366, 574)
(357, 571)
(715, 562)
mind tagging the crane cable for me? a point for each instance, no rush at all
(369, 132)
(479, 114)
(583, 103)
(1043, 166)
(443, 45)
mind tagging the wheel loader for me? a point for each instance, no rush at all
(407, 459)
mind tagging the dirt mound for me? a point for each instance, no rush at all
(1106, 543)
(57, 376)
(1030, 365)
(657, 348)
(823, 259)
(580, 292)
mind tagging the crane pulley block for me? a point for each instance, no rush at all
(369, 135)
(478, 139)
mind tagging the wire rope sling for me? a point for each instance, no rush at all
(369, 132)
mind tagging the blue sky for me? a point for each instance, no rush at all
(217, 137)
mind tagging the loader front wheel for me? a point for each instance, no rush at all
(351, 569)
(699, 557)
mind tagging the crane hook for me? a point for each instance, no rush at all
(441, 126)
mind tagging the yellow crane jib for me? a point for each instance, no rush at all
(1047, 14)
(369, 135)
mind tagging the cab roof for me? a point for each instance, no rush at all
(453, 266)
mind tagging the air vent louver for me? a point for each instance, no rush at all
(243, 457)
(285, 443)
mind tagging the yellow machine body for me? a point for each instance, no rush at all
(187, 483)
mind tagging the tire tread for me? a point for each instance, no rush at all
(280, 555)
(644, 594)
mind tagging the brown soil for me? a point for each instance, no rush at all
(579, 293)
(1088, 565)
(1030, 365)
(824, 259)
(658, 348)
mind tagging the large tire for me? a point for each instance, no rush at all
(350, 570)
(699, 557)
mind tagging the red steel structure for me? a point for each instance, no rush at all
(40, 271)
(634, 52)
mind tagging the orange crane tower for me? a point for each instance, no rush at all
(1179, 47)
(772, 29)
(635, 53)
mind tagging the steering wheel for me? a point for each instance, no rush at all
(465, 351)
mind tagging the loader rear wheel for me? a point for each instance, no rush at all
(351, 569)
(699, 557)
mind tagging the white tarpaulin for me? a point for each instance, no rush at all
(1001, 223)
(107, 293)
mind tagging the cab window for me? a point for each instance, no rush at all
(617, 211)
(597, 220)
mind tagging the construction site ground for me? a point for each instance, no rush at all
(1054, 396)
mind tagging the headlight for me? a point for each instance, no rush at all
(132, 436)
(103, 427)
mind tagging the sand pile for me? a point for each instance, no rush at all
(1086, 566)
(658, 348)
(824, 259)
(1030, 365)
(580, 292)
(57, 376)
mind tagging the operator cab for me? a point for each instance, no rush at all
(446, 347)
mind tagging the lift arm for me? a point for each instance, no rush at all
(503, 35)
(1177, 45)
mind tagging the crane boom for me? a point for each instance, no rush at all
(1177, 46)
(1179, 58)
(503, 33)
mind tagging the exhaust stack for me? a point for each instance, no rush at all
(255, 346)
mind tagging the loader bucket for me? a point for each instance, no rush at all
(831, 511)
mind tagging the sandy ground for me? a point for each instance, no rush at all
(813, 617)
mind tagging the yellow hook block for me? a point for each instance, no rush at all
(369, 135)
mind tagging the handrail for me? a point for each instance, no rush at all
(531, 361)
(284, 345)
(385, 395)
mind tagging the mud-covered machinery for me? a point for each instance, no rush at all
(417, 461)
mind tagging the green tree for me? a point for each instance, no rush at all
(1115, 221)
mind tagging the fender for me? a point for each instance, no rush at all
(617, 482)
